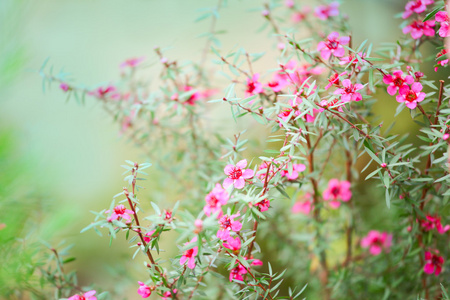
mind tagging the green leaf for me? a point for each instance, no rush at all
(388, 199)
(433, 13)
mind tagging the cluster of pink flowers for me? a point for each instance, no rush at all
(86, 296)
(433, 263)
(431, 222)
(215, 200)
(409, 91)
(377, 242)
(237, 174)
(333, 45)
(336, 192)
(120, 211)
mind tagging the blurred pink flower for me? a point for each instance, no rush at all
(442, 17)
(377, 242)
(433, 263)
(333, 45)
(237, 273)
(254, 86)
(190, 254)
(144, 290)
(296, 168)
(64, 86)
(263, 205)
(234, 244)
(417, 6)
(168, 295)
(323, 12)
(132, 62)
(337, 190)
(214, 201)
(86, 296)
(418, 28)
(304, 206)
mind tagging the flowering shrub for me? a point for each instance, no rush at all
(316, 99)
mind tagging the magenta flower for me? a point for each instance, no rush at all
(227, 224)
(214, 201)
(323, 12)
(168, 295)
(431, 222)
(149, 236)
(255, 262)
(411, 96)
(433, 263)
(397, 81)
(64, 86)
(86, 296)
(442, 17)
(144, 290)
(377, 241)
(237, 273)
(237, 175)
(349, 91)
(263, 205)
(120, 211)
(419, 28)
(333, 45)
(103, 92)
(296, 168)
(335, 79)
(234, 244)
(132, 62)
(417, 6)
(441, 62)
(189, 255)
(254, 86)
(337, 190)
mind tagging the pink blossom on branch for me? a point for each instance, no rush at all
(237, 175)
(419, 28)
(132, 62)
(333, 45)
(64, 86)
(215, 200)
(337, 190)
(86, 296)
(377, 242)
(120, 211)
(144, 290)
(411, 95)
(237, 273)
(254, 86)
(349, 92)
(190, 254)
(323, 12)
(431, 222)
(397, 81)
(227, 224)
(433, 263)
(234, 244)
(442, 17)
(416, 6)
(263, 205)
(441, 62)
(296, 168)
(304, 206)
(168, 295)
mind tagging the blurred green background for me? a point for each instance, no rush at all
(70, 154)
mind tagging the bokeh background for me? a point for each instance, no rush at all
(68, 156)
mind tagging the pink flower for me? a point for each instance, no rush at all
(289, 3)
(349, 91)
(189, 255)
(144, 290)
(300, 15)
(132, 62)
(397, 81)
(198, 225)
(120, 211)
(431, 222)
(433, 263)
(348, 59)
(102, 92)
(337, 190)
(296, 168)
(442, 17)
(303, 207)
(234, 244)
(441, 62)
(263, 205)
(333, 45)
(253, 86)
(237, 273)
(256, 262)
(215, 199)
(419, 28)
(168, 295)
(377, 241)
(194, 97)
(335, 79)
(227, 224)
(86, 296)
(417, 6)
(237, 175)
(412, 95)
(445, 136)
(64, 86)
(263, 170)
(323, 12)
(149, 236)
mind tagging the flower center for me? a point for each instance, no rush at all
(332, 45)
(398, 81)
(212, 201)
(189, 252)
(226, 223)
(119, 210)
(411, 96)
(335, 191)
(235, 174)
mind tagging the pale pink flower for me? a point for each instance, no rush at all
(349, 92)
(289, 3)
(144, 290)
(237, 175)
(132, 62)
(433, 263)
(417, 6)
(333, 45)
(377, 242)
(168, 295)
(120, 211)
(263, 205)
(190, 254)
(254, 86)
(300, 15)
(263, 170)
(198, 225)
(445, 136)
(64, 86)
(442, 17)
(418, 28)
(86, 296)
(194, 97)
(296, 168)
(103, 92)
(237, 273)
(234, 244)
(304, 206)
(397, 81)
(411, 96)
(323, 12)
(337, 190)
(215, 200)
(227, 224)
